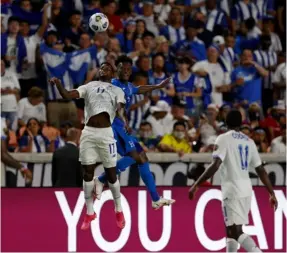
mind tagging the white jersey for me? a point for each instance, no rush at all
(101, 97)
(238, 154)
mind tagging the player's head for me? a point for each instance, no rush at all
(234, 119)
(124, 67)
(106, 71)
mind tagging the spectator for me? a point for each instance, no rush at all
(278, 145)
(33, 141)
(246, 79)
(140, 102)
(73, 33)
(126, 38)
(259, 137)
(100, 41)
(85, 41)
(109, 8)
(160, 119)
(188, 86)
(140, 28)
(114, 46)
(276, 45)
(208, 125)
(210, 144)
(254, 115)
(178, 110)
(10, 89)
(143, 64)
(59, 17)
(148, 42)
(29, 76)
(192, 45)
(253, 32)
(196, 172)
(223, 111)
(148, 17)
(148, 141)
(158, 75)
(61, 140)
(243, 10)
(174, 32)
(268, 60)
(247, 130)
(138, 50)
(219, 81)
(177, 141)
(279, 78)
(214, 16)
(161, 11)
(32, 107)
(13, 46)
(66, 168)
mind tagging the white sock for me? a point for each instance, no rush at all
(116, 192)
(231, 245)
(247, 243)
(88, 189)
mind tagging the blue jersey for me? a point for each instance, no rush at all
(251, 89)
(129, 89)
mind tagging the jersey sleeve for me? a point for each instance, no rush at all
(220, 148)
(255, 157)
(120, 96)
(82, 90)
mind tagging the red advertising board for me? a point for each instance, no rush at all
(49, 220)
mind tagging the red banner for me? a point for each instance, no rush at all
(50, 219)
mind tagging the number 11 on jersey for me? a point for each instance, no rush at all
(244, 152)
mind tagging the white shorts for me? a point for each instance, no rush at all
(98, 144)
(235, 211)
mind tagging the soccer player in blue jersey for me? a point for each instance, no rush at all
(128, 146)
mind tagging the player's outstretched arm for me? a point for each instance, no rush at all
(210, 171)
(150, 88)
(121, 112)
(72, 94)
(261, 172)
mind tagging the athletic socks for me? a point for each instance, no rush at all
(116, 192)
(231, 245)
(247, 243)
(88, 189)
(122, 165)
(148, 179)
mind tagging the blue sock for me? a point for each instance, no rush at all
(148, 179)
(122, 165)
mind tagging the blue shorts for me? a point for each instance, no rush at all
(125, 142)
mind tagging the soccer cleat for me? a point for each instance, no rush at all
(87, 221)
(98, 188)
(162, 202)
(121, 222)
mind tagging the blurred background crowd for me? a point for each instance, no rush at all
(222, 54)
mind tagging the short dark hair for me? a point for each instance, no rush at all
(124, 59)
(250, 23)
(145, 123)
(75, 12)
(179, 123)
(12, 19)
(234, 119)
(35, 92)
(148, 34)
(140, 74)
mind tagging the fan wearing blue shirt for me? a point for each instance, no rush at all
(128, 146)
(247, 80)
(126, 38)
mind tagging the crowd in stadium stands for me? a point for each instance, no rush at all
(222, 54)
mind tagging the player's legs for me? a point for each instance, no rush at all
(88, 157)
(236, 214)
(108, 152)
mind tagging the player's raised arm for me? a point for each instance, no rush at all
(149, 88)
(72, 94)
(261, 172)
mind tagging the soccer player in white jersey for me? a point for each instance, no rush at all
(234, 154)
(7, 159)
(102, 101)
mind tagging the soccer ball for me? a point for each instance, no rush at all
(99, 22)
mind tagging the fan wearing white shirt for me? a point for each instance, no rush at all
(279, 78)
(234, 154)
(9, 95)
(278, 145)
(275, 40)
(220, 80)
(28, 75)
(32, 107)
